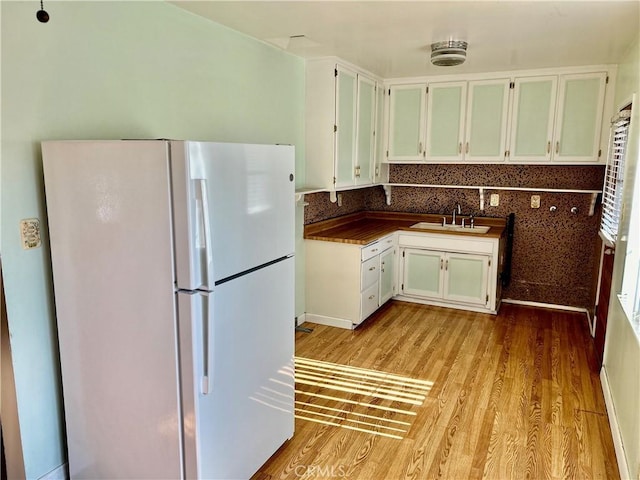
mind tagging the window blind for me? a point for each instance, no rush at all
(613, 179)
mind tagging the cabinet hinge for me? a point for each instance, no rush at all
(402, 289)
(389, 92)
(512, 85)
(599, 153)
(335, 72)
(606, 80)
(335, 128)
(487, 300)
(427, 90)
(402, 254)
(489, 262)
(387, 153)
(334, 180)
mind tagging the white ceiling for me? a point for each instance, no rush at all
(392, 38)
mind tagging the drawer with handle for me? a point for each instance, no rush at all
(369, 301)
(371, 250)
(369, 272)
(386, 242)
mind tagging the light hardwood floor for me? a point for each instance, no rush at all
(421, 392)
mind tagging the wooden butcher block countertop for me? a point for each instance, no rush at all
(363, 228)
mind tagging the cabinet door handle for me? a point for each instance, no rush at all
(558, 146)
(466, 148)
(371, 297)
(549, 146)
(382, 267)
(446, 265)
(441, 263)
(374, 250)
(371, 269)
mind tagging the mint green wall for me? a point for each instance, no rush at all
(622, 348)
(114, 70)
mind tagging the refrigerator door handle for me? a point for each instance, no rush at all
(206, 233)
(208, 335)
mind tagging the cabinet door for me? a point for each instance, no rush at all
(466, 278)
(534, 101)
(445, 121)
(422, 273)
(346, 85)
(366, 117)
(486, 124)
(379, 137)
(406, 123)
(387, 274)
(580, 104)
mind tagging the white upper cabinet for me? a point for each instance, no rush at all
(365, 131)
(345, 138)
(579, 119)
(557, 118)
(465, 121)
(340, 125)
(534, 101)
(407, 123)
(446, 104)
(486, 125)
(545, 116)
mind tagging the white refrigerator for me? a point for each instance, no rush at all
(173, 274)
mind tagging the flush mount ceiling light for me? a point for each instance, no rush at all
(448, 53)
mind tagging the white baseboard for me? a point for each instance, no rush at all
(615, 429)
(60, 473)
(329, 321)
(300, 319)
(552, 306)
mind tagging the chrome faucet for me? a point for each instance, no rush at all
(457, 210)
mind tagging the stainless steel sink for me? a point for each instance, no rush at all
(451, 228)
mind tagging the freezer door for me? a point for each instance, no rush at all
(233, 208)
(237, 372)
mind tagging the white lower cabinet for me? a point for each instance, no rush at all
(346, 283)
(456, 277)
(450, 271)
(387, 274)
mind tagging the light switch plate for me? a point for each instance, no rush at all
(535, 201)
(30, 233)
(495, 200)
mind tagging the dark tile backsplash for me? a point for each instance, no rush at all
(554, 253)
(533, 176)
